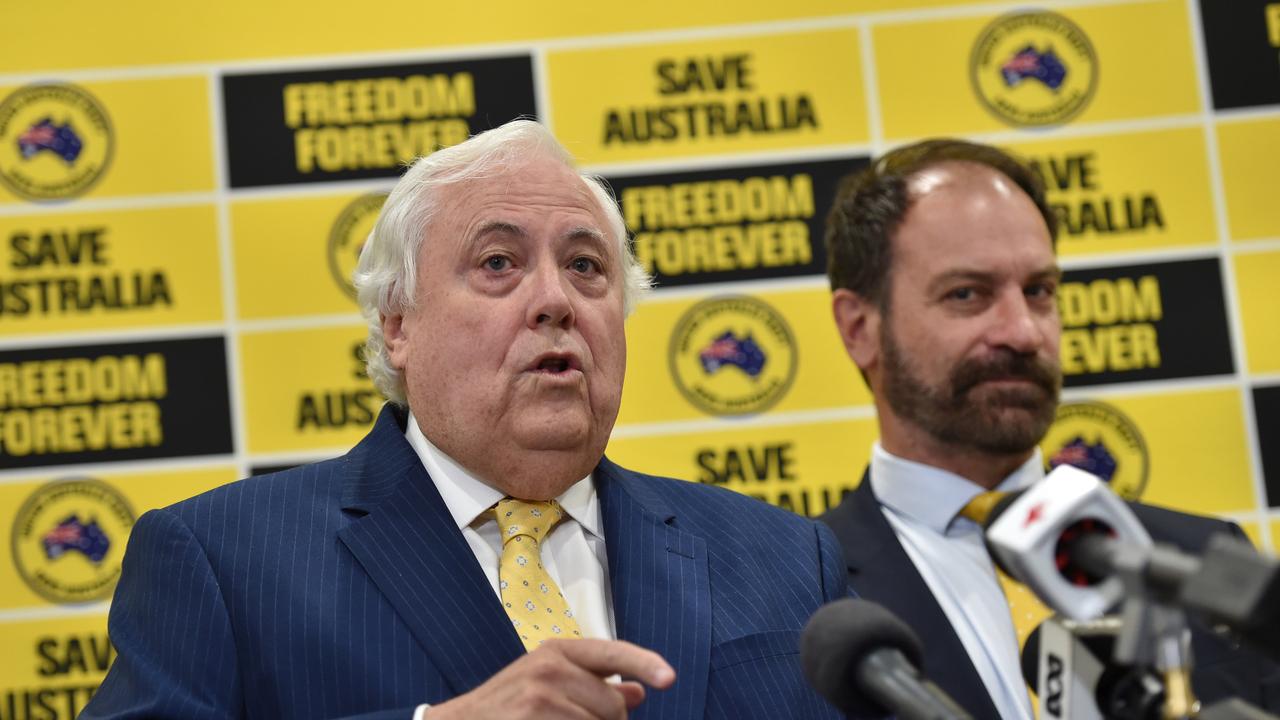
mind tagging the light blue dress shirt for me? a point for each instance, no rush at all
(921, 503)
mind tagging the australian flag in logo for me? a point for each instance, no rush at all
(1095, 459)
(72, 534)
(1031, 63)
(61, 140)
(742, 353)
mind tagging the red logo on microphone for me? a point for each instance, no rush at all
(1033, 515)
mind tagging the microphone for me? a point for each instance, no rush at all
(1067, 664)
(1047, 535)
(864, 660)
(1071, 540)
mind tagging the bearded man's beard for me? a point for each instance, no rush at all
(1006, 420)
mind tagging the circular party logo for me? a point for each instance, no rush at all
(1101, 440)
(732, 355)
(1033, 68)
(68, 538)
(55, 141)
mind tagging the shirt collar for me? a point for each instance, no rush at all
(933, 496)
(468, 497)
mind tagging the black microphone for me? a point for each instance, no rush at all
(1082, 683)
(864, 660)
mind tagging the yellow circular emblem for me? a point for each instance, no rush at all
(1033, 68)
(55, 141)
(732, 355)
(68, 538)
(1099, 439)
(348, 235)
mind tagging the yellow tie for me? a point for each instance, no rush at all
(1025, 608)
(534, 603)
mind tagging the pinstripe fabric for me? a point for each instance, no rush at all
(721, 585)
(344, 589)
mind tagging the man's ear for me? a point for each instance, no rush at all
(858, 322)
(395, 340)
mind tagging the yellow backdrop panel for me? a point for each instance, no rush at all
(813, 372)
(758, 92)
(920, 98)
(109, 269)
(53, 665)
(1127, 192)
(806, 468)
(245, 29)
(322, 399)
(1250, 153)
(294, 256)
(160, 137)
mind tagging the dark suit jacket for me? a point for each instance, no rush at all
(880, 570)
(345, 588)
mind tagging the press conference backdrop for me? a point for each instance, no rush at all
(184, 193)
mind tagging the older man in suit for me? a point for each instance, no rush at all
(941, 259)
(475, 555)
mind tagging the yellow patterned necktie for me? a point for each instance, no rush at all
(1025, 608)
(537, 608)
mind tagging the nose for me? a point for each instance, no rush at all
(549, 302)
(1017, 325)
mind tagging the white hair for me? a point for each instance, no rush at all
(386, 276)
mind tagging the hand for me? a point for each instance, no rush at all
(564, 679)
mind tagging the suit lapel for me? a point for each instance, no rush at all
(407, 542)
(881, 571)
(661, 589)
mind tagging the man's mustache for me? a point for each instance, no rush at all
(1006, 366)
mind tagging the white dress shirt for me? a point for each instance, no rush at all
(921, 503)
(573, 553)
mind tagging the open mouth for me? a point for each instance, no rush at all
(556, 364)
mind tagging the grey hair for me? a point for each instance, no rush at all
(386, 276)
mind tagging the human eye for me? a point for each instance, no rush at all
(584, 265)
(496, 263)
(1046, 290)
(963, 293)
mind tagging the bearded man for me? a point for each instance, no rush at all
(941, 260)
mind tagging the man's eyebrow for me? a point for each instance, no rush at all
(1052, 272)
(500, 226)
(580, 232)
(952, 276)
(585, 232)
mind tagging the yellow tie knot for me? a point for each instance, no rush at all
(979, 508)
(523, 518)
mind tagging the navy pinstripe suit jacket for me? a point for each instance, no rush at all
(344, 588)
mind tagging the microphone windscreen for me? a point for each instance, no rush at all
(1031, 660)
(839, 637)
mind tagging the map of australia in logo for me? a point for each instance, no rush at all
(45, 136)
(71, 534)
(742, 353)
(1029, 63)
(1093, 458)
(1099, 439)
